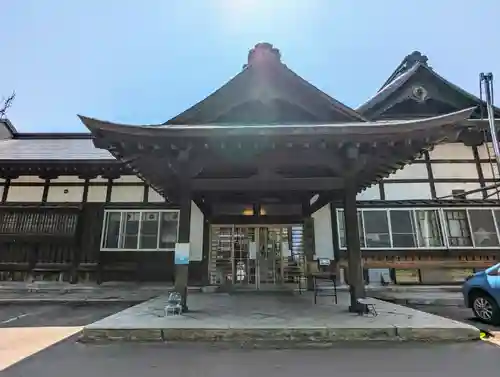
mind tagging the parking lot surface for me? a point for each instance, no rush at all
(185, 360)
(26, 330)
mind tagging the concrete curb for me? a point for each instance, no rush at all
(420, 301)
(280, 337)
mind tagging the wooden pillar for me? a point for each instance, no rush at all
(355, 268)
(181, 270)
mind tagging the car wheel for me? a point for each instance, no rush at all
(486, 309)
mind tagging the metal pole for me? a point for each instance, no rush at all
(488, 81)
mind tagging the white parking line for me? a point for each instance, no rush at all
(14, 318)
(495, 339)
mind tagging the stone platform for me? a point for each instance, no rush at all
(282, 318)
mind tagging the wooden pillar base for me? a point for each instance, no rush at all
(181, 279)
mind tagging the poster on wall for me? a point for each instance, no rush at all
(182, 253)
(252, 250)
(285, 249)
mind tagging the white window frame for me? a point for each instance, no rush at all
(413, 219)
(467, 209)
(442, 224)
(122, 212)
(442, 228)
(388, 227)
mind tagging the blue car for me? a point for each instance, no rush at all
(482, 293)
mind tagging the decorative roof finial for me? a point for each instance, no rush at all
(263, 53)
(416, 57)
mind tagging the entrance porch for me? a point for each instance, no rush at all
(303, 167)
(283, 320)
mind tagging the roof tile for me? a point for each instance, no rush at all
(51, 149)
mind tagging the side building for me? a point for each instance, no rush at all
(71, 211)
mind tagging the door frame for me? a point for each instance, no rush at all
(256, 227)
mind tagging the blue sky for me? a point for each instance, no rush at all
(142, 62)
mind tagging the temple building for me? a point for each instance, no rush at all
(260, 178)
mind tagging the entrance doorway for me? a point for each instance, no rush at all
(256, 256)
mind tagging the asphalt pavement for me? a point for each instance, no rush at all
(51, 315)
(184, 360)
(26, 330)
(59, 353)
(458, 313)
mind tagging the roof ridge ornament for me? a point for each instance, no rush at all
(414, 58)
(263, 53)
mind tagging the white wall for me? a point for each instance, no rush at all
(196, 234)
(407, 191)
(154, 197)
(70, 189)
(371, 193)
(459, 170)
(127, 194)
(97, 194)
(62, 194)
(445, 189)
(451, 151)
(413, 171)
(25, 194)
(323, 238)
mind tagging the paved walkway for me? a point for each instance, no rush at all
(248, 318)
(54, 292)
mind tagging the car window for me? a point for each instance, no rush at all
(493, 269)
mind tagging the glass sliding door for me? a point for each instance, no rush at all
(255, 256)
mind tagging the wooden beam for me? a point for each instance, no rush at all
(252, 184)
(324, 199)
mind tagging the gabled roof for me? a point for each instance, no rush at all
(413, 69)
(39, 147)
(106, 133)
(265, 82)
(7, 129)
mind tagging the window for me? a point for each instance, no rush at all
(457, 227)
(376, 229)
(403, 228)
(341, 227)
(112, 223)
(425, 228)
(168, 229)
(140, 230)
(429, 233)
(149, 230)
(52, 222)
(484, 232)
(130, 230)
